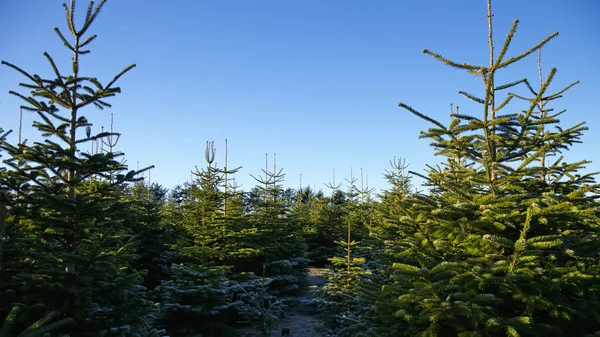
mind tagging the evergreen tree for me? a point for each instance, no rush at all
(506, 241)
(339, 298)
(66, 248)
(394, 205)
(3, 200)
(258, 306)
(196, 301)
(147, 204)
(376, 290)
(201, 296)
(41, 327)
(327, 225)
(272, 243)
(205, 219)
(202, 216)
(305, 210)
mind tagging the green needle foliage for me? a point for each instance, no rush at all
(325, 224)
(340, 297)
(506, 243)
(203, 225)
(147, 204)
(196, 301)
(393, 206)
(67, 246)
(270, 245)
(39, 328)
(258, 306)
(198, 298)
(3, 200)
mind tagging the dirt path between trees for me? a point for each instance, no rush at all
(301, 317)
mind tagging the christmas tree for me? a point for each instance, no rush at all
(67, 246)
(506, 241)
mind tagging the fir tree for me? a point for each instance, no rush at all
(259, 307)
(376, 296)
(506, 241)
(200, 298)
(394, 205)
(3, 200)
(147, 206)
(197, 301)
(202, 215)
(340, 296)
(273, 246)
(327, 225)
(41, 327)
(66, 248)
(205, 217)
(306, 210)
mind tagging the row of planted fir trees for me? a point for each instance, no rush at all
(88, 250)
(504, 242)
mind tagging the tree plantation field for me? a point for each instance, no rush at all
(500, 239)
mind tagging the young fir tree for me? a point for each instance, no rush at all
(375, 304)
(66, 248)
(259, 307)
(306, 210)
(153, 255)
(196, 301)
(199, 297)
(392, 208)
(506, 243)
(273, 242)
(206, 214)
(339, 298)
(363, 218)
(202, 216)
(327, 224)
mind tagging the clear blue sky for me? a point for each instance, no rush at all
(316, 82)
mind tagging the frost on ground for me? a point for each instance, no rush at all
(300, 316)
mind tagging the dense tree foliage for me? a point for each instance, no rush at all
(68, 247)
(504, 241)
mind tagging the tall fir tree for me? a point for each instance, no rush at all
(506, 242)
(69, 249)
